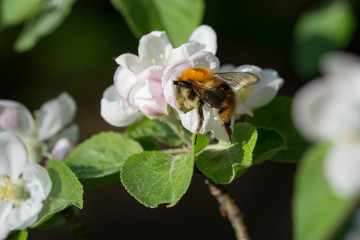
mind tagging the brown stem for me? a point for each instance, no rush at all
(231, 210)
(77, 227)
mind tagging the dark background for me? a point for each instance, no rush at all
(79, 58)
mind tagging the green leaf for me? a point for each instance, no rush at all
(100, 181)
(16, 11)
(44, 22)
(178, 18)
(66, 191)
(155, 178)
(269, 142)
(18, 235)
(141, 15)
(201, 142)
(277, 115)
(102, 155)
(156, 129)
(222, 162)
(318, 212)
(328, 27)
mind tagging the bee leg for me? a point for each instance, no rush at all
(228, 129)
(201, 118)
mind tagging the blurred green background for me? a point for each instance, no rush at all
(79, 58)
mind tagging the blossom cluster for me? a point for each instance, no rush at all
(25, 142)
(328, 109)
(143, 84)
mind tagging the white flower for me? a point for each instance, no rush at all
(51, 123)
(255, 96)
(138, 85)
(23, 186)
(328, 108)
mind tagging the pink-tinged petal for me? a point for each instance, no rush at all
(242, 108)
(124, 81)
(342, 166)
(171, 73)
(206, 60)
(131, 62)
(115, 111)
(54, 115)
(183, 52)
(264, 95)
(13, 155)
(16, 117)
(62, 148)
(70, 132)
(154, 48)
(154, 85)
(206, 36)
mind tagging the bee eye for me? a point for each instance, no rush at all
(184, 84)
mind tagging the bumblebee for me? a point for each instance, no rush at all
(198, 87)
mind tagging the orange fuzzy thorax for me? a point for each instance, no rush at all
(198, 75)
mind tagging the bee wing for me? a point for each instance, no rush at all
(237, 79)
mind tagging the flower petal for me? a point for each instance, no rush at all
(242, 108)
(154, 48)
(264, 95)
(342, 167)
(13, 155)
(308, 109)
(124, 81)
(131, 62)
(62, 148)
(153, 83)
(206, 60)
(16, 117)
(5, 209)
(71, 132)
(54, 115)
(115, 111)
(183, 52)
(206, 36)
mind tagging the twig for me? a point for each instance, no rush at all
(231, 210)
(77, 227)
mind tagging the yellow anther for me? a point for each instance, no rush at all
(36, 113)
(244, 93)
(153, 61)
(7, 189)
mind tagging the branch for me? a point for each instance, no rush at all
(228, 205)
(77, 227)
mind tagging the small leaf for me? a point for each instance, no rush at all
(66, 191)
(318, 213)
(18, 235)
(180, 18)
(46, 20)
(16, 11)
(328, 27)
(156, 129)
(102, 155)
(269, 142)
(221, 163)
(277, 115)
(155, 178)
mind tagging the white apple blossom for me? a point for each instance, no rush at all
(23, 185)
(138, 84)
(52, 122)
(328, 108)
(255, 96)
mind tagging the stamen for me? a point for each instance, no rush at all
(36, 113)
(153, 61)
(163, 59)
(7, 189)
(244, 93)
